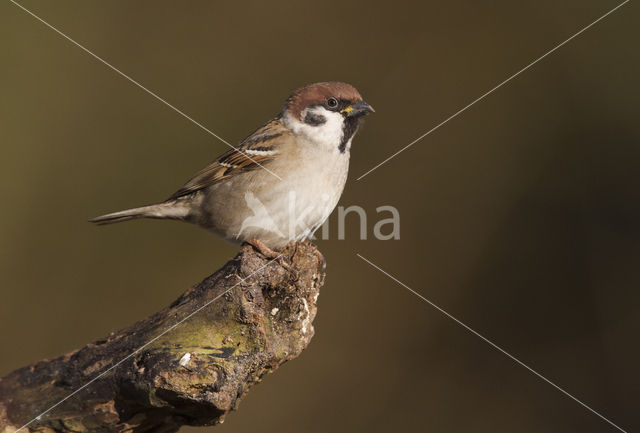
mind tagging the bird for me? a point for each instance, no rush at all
(280, 183)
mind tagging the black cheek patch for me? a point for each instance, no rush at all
(314, 119)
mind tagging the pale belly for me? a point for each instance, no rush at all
(272, 210)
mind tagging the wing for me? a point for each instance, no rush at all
(252, 153)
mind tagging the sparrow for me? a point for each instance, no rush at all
(280, 183)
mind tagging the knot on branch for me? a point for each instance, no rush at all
(189, 364)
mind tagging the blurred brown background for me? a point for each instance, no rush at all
(521, 217)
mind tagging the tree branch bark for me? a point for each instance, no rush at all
(192, 375)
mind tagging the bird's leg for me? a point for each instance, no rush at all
(264, 249)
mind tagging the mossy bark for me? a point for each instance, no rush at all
(259, 316)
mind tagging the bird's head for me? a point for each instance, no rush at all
(327, 114)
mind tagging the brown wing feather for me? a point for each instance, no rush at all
(235, 161)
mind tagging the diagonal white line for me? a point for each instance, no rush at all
(492, 344)
(493, 89)
(174, 108)
(169, 329)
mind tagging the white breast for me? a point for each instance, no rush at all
(279, 211)
(307, 194)
(313, 173)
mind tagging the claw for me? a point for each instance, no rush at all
(264, 249)
(321, 260)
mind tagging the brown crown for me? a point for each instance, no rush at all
(317, 93)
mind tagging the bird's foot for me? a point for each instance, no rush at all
(318, 254)
(264, 249)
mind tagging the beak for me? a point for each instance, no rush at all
(360, 108)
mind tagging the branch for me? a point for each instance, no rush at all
(192, 375)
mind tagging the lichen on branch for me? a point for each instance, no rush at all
(259, 315)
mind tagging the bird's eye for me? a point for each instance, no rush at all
(332, 103)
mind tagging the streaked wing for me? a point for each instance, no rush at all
(254, 151)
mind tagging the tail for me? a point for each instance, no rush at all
(167, 210)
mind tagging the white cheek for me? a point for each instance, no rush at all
(328, 135)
